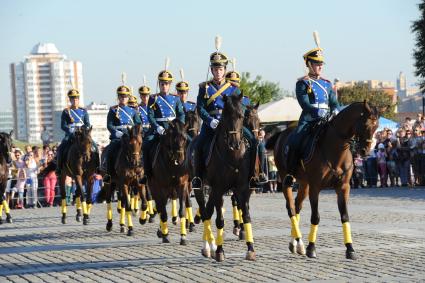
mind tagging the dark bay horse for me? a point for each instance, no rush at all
(170, 174)
(125, 176)
(228, 168)
(5, 159)
(331, 165)
(81, 164)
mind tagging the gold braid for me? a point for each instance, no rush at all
(70, 116)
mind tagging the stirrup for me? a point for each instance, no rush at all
(196, 183)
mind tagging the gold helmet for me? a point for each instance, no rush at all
(73, 93)
(314, 55)
(132, 99)
(144, 90)
(165, 76)
(182, 85)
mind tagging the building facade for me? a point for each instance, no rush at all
(98, 114)
(39, 85)
(6, 120)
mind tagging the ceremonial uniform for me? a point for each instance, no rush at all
(143, 109)
(189, 106)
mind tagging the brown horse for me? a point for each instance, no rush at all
(125, 175)
(170, 174)
(5, 159)
(81, 164)
(228, 168)
(331, 165)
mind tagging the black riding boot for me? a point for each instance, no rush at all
(59, 160)
(104, 165)
(147, 164)
(253, 159)
(198, 164)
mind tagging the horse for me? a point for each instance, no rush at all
(125, 176)
(330, 165)
(5, 159)
(81, 164)
(170, 174)
(227, 168)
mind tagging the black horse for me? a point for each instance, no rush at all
(5, 159)
(228, 168)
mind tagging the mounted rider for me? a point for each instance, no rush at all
(317, 99)
(163, 107)
(182, 89)
(72, 117)
(210, 105)
(132, 101)
(144, 92)
(120, 118)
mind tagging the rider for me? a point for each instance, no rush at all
(317, 99)
(183, 90)
(120, 118)
(163, 107)
(132, 102)
(210, 105)
(144, 92)
(72, 117)
(235, 77)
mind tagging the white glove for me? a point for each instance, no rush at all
(322, 113)
(72, 130)
(119, 134)
(214, 123)
(335, 112)
(160, 130)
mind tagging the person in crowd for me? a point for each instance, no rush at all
(392, 156)
(381, 158)
(32, 180)
(21, 178)
(403, 152)
(358, 173)
(371, 169)
(49, 178)
(272, 172)
(415, 145)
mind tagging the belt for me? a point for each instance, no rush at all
(321, 105)
(215, 112)
(146, 126)
(165, 119)
(75, 125)
(122, 127)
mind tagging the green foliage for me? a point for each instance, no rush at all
(260, 91)
(418, 27)
(375, 97)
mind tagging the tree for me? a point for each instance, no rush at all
(418, 27)
(260, 91)
(375, 97)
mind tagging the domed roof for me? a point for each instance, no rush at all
(44, 48)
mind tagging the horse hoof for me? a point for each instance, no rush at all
(63, 220)
(311, 252)
(183, 242)
(292, 246)
(206, 253)
(142, 221)
(241, 235)
(151, 218)
(130, 231)
(78, 218)
(250, 255)
(219, 256)
(350, 255)
(9, 218)
(192, 227)
(300, 248)
(109, 226)
(236, 231)
(159, 233)
(174, 220)
(165, 239)
(122, 229)
(197, 219)
(86, 221)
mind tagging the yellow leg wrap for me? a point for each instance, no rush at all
(189, 214)
(295, 228)
(122, 216)
(208, 231)
(198, 212)
(89, 207)
(164, 227)
(293, 233)
(150, 206)
(84, 204)
(248, 233)
(1, 209)
(132, 203)
(174, 208)
(220, 236)
(186, 215)
(183, 226)
(136, 203)
(129, 219)
(6, 207)
(143, 214)
(346, 229)
(313, 233)
(63, 206)
(78, 203)
(240, 216)
(119, 205)
(235, 213)
(298, 216)
(109, 211)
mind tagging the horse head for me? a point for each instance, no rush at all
(131, 143)
(6, 145)
(84, 141)
(232, 121)
(367, 125)
(251, 119)
(192, 123)
(174, 141)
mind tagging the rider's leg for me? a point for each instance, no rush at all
(198, 158)
(146, 148)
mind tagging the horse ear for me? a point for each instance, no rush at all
(256, 105)
(11, 133)
(240, 96)
(366, 105)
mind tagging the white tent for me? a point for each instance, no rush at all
(286, 109)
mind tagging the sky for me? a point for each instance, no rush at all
(361, 39)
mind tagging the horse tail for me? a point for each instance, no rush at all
(272, 141)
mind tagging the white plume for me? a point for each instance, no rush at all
(123, 78)
(144, 80)
(167, 63)
(234, 64)
(71, 83)
(182, 74)
(316, 38)
(218, 41)
(131, 90)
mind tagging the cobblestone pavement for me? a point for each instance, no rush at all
(388, 232)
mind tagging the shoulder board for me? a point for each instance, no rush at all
(203, 84)
(66, 109)
(303, 78)
(114, 107)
